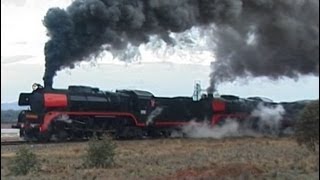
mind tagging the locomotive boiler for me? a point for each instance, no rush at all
(81, 112)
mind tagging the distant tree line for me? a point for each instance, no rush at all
(9, 115)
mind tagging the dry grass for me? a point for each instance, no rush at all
(244, 158)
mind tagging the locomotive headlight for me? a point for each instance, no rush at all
(34, 86)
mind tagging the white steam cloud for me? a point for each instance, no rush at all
(203, 130)
(156, 112)
(263, 121)
(269, 118)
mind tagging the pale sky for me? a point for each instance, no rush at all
(167, 72)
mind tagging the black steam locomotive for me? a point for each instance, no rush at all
(81, 112)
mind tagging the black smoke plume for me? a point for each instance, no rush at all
(271, 38)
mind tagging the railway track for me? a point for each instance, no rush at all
(21, 142)
(7, 143)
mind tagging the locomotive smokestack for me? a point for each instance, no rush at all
(47, 84)
(271, 38)
(210, 95)
(47, 87)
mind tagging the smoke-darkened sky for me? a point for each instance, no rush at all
(22, 60)
(258, 38)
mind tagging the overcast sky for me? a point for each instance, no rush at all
(163, 73)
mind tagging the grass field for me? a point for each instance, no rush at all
(236, 158)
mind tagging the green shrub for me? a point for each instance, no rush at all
(307, 126)
(24, 162)
(100, 153)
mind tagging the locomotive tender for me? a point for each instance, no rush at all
(81, 112)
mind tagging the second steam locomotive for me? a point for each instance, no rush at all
(81, 112)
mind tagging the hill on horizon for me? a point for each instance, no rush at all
(12, 106)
